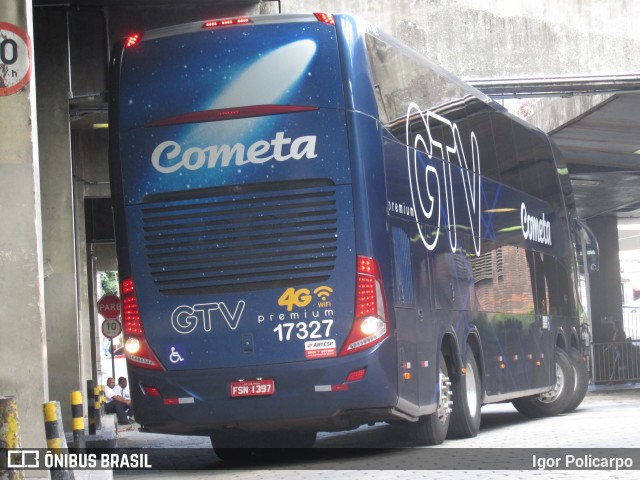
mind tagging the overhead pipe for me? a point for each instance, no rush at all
(564, 86)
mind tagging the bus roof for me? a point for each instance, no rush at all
(226, 23)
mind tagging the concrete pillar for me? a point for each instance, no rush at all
(22, 318)
(60, 284)
(606, 296)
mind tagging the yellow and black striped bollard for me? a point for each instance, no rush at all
(9, 437)
(55, 439)
(77, 415)
(51, 415)
(98, 410)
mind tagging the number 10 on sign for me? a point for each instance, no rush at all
(111, 328)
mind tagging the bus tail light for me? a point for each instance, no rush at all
(233, 113)
(132, 40)
(136, 347)
(356, 375)
(325, 18)
(371, 324)
(227, 22)
(150, 391)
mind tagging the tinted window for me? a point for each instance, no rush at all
(231, 67)
(402, 78)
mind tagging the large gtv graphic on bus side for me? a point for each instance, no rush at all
(434, 185)
(431, 188)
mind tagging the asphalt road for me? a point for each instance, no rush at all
(603, 431)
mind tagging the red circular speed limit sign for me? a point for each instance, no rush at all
(111, 328)
(109, 306)
(15, 59)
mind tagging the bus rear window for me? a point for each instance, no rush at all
(247, 65)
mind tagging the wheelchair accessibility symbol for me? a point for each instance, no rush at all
(177, 354)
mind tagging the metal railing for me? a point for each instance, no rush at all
(615, 363)
(618, 362)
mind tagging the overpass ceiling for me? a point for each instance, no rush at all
(135, 3)
(599, 147)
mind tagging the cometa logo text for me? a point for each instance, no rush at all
(168, 157)
(533, 228)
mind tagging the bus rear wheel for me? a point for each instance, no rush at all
(581, 376)
(554, 401)
(465, 418)
(432, 429)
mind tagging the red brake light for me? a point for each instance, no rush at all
(369, 296)
(325, 18)
(226, 22)
(233, 113)
(370, 326)
(356, 375)
(151, 391)
(131, 321)
(136, 347)
(132, 40)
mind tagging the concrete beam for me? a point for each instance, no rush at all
(22, 319)
(568, 86)
(60, 286)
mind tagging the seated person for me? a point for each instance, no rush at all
(122, 389)
(117, 403)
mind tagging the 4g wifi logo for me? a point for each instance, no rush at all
(302, 297)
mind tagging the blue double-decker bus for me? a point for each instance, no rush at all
(317, 228)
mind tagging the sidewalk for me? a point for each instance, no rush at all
(616, 387)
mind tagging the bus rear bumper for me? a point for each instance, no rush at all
(314, 395)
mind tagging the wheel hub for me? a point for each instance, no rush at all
(445, 401)
(553, 394)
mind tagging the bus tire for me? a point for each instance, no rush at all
(555, 400)
(465, 418)
(244, 447)
(432, 429)
(229, 448)
(234, 455)
(581, 380)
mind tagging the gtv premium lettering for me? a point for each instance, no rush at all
(169, 157)
(185, 319)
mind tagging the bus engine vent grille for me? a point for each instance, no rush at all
(239, 239)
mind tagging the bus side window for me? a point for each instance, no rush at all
(515, 295)
(561, 294)
(479, 122)
(541, 289)
(488, 277)
(403, 270)
(506, 151)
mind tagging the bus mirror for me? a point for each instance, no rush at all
(593, 260)
(586, 237)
